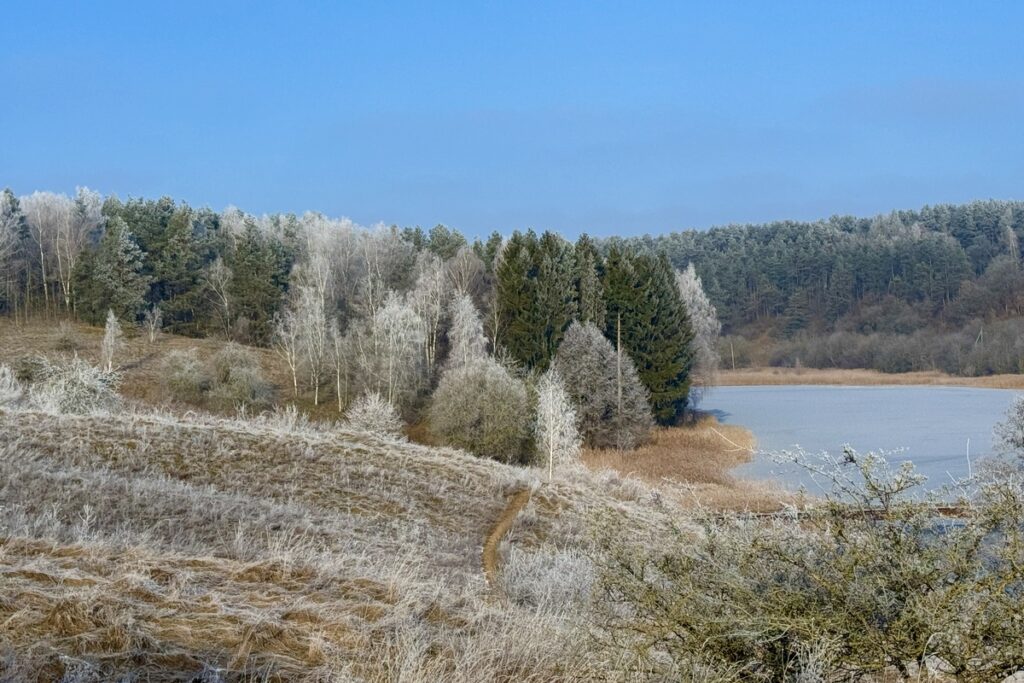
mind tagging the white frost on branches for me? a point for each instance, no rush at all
(557, 436)
(706, 328)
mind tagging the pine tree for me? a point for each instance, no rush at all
(641, 296)
(175, 271)
(259, 268)
(110, 277)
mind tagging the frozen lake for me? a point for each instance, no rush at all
(931, 424)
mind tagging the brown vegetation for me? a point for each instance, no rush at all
(777, 376)
(694, 460)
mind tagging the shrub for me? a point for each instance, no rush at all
(183, 377)
(67, 340)
(238, 380)
(371, 413)
(868, 583)
(482, 408)
(74, 387)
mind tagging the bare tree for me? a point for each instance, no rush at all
(112, 342)
(153, 320)
(467, 272)
(428, 299)
(388, 350)
(314, 336)
(48, 216)
(10, 221)
(72, 235)
(286, 341)
(339, 353)
(217, 280)
(557, 437)
(466, 339)
(706, 328)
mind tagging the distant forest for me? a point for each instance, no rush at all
(939, 288)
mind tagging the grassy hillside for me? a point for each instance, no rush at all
(169, 547)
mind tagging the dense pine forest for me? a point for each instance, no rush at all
(939, 288)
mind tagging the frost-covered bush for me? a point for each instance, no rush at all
(73, 387)
(238, 380)
(482, 408)
(184, 377)
(11, 390)
(552, 578)
(371, 413)
(1009, 434)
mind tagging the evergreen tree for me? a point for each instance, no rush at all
(110, 277)
(259, 267)
(175, 271)
(645, 310)
(587, 280)
(535, 296)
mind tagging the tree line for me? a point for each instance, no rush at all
(787, 287)
(399, 313)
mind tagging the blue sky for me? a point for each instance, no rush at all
(611, 118)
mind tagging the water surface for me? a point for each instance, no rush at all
(932, 424)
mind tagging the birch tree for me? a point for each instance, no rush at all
(314, 336)
(706, 329)
(286, 341)
(47, 215)
(557, 437)
(112, 342)
(428, 299)
(217, 282)
(388, 348)
(466, 339)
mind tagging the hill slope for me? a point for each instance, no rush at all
(166, 548)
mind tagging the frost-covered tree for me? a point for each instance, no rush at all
(609, 398)
(48, 216)
(466, 339)
(10, 227)
(428, 298)
(372, 413)
(339, 357)
(557, 437)
(286, 340)
(314, 336)
(112, 342)
(216, 280)
(706, 328)
(482, 408)
(467, 272)
(153, 320)
(388, 351)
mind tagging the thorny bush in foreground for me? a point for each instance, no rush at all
(871, 581)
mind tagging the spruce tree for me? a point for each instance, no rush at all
(587, 280)
(641, 296)
(536, 300)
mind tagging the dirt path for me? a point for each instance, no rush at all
(516, 502)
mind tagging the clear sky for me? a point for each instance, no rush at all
(620, 118)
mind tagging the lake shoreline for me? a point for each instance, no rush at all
(754, 377)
